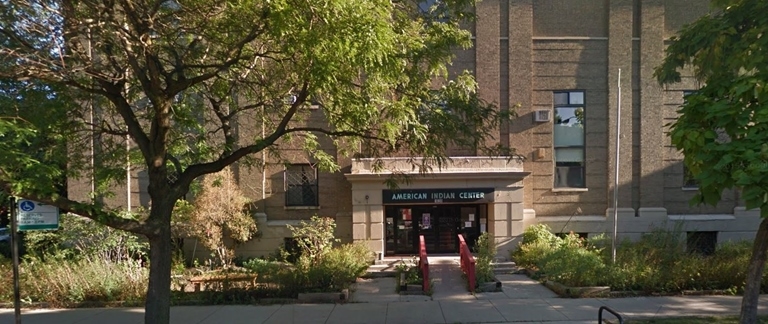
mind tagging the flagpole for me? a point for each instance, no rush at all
(616, 178)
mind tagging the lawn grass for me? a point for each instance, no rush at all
(696, 320)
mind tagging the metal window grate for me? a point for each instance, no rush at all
(301, 185)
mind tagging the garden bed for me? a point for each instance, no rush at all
(577, 292)
(657, 265)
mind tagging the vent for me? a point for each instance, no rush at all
(542, 115)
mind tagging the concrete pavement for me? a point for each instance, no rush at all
(375, 301)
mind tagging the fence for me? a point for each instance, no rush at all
(608, 309)
(423, 264)
(467, 263)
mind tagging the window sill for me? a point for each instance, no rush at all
(690, 188)
(570, 189)
(301, 207)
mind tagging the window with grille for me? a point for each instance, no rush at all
(569, 139)
(689, 181)
(301, 185)
(703, 243)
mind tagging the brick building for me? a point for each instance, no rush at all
(559, 60)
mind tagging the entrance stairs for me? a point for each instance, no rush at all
(386, 266)
(448, 282)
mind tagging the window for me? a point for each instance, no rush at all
(689, 182)
(703, 243)
(582, 236)
(569, 139)
(301, 185)
(433, 10)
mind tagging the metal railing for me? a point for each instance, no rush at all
(606, 308)
(423, 264)
(467, 263)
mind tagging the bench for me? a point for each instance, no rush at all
(224, 280)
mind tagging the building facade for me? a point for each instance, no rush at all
(559, 61)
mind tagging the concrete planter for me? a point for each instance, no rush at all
(326, 297)
(409, 288)
(577, 292)
(490, 286)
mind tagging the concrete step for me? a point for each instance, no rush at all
(381, 270)
(507, 267)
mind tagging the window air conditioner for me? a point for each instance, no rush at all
(542, 115)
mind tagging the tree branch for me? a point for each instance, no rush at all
(92, 211)
(335, 133)
(197, 170)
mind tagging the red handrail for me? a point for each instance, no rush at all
(467, 263)
(423, 264)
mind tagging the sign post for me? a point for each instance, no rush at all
(15, 252)
(27, 215)
(36, 216)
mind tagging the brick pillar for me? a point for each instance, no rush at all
(487, 54)
(521, 83)
(652, 137)
(620, 57)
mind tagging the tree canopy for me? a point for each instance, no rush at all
(722, 128)
(197, 85)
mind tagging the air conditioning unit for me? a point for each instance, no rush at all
(542, 115)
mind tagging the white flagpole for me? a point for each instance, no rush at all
(616, 179)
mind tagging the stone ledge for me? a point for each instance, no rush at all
(327, 297)
(577, 292)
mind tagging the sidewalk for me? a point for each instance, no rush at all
(374, 301)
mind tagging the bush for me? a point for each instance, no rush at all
(217, 214)
(538, 243)
(409, 272)
(320, 267)
(64, 282)
(486, 252)
(575, 266)
(657, 263)
(82, 237)
(316, 238)
(338, 268)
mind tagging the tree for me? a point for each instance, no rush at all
(219, 212)
(199, 85)
(722, 129)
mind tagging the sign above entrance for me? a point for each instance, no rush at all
(465, 195)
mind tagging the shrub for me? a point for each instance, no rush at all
(338, 268)
(316, 238)
(78, 236)
(486, 252)
(218, 213)
(538, 243)
(539, 233)
(572, 263)
(63, 282)
(409, 272)
(657, 263)
(320, 266)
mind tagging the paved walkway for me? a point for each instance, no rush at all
(375, 301)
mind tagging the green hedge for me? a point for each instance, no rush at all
(657, 263)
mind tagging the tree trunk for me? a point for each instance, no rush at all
(754, 275)
(158, 305)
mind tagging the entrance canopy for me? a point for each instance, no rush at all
(491, 187)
